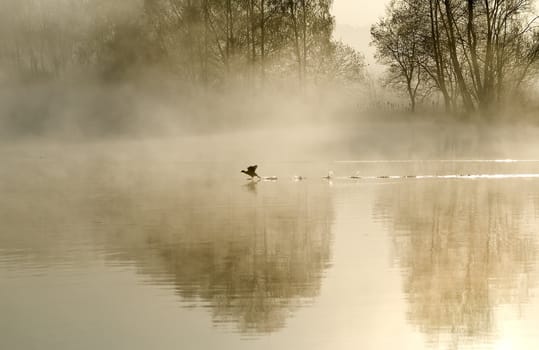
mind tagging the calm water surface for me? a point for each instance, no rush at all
(117, 254)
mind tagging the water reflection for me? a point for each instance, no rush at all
(251, 186)
(42, 212)
(465, 248)
(251, 256)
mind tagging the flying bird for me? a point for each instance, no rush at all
(251, 171)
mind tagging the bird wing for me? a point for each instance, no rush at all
(252, 168)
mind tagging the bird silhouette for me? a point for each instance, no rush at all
(251, 171)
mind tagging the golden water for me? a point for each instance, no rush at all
(103, 253)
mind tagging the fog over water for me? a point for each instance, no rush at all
(396, 205)
(191, 254)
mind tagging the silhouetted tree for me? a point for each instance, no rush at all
(476, 54)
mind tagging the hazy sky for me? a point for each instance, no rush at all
(354, 18)
(358, 12)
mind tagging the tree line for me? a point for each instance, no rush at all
(476, 55)
(205, 43)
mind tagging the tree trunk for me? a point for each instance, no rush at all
(472, 43)
(293, 14)
(253, 41)
(228, 26)
(438, 57)
(262, 40)
(485, 97)
(205, 72)
(304, 34)
(464, 92)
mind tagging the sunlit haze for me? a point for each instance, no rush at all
(358, 13)
(269, 174)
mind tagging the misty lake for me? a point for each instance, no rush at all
(113, 253)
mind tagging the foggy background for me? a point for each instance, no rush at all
(213, 85)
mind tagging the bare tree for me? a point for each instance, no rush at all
(397, 39)
(476, 52)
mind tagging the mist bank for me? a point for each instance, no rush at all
(154, 104)
(86, 108)
(154, 117)
(313, 142)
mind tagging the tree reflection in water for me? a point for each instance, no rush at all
(252, 256)
(465, 248)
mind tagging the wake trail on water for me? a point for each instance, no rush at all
(439, 161)
(450, 176)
